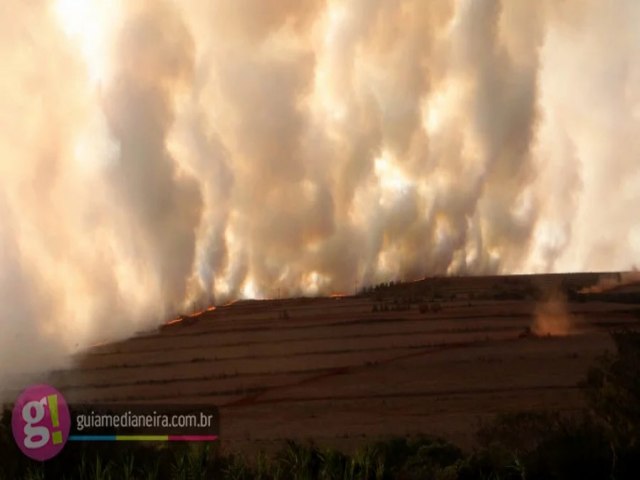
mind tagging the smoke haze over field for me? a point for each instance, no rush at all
(158, 154)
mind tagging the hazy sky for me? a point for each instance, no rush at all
(157, 154)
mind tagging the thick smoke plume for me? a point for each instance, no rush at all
(160, 155)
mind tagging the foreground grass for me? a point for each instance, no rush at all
(523, 446)
(601, 443)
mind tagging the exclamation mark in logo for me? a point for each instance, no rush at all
(56, 436)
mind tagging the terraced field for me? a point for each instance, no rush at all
(435, 356)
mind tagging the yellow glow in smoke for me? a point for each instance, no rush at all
(433, 119)
(337, 15)
(392, 180)
(87, 23)
(438, 108)
(328, 99)
(249, 289)
(388, 264)
(311, 283)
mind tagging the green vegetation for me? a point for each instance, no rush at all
(603, 442)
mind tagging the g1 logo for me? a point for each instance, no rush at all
(40, 422)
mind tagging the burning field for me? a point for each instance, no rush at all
(435, 356)
(227, 201)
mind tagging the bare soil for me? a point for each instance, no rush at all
(340, 371)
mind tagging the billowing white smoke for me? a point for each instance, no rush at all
(155, 155)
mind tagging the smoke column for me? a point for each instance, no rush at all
(157, 155)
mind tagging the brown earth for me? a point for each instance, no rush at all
(441, 356)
